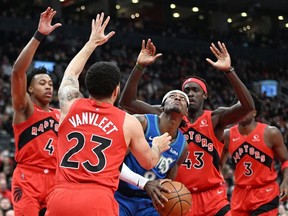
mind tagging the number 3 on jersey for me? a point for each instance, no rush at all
(199, 163)
(101, 144)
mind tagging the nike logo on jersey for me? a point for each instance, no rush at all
(220, 192)
(235, 139)
(150, 138)
(269, 189)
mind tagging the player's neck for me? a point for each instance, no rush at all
(44, 107)
(194, 115)
(103, 100)
(247, 128)
(169, 124)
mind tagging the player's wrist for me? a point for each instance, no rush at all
(39, 36)
(140, 67)
(230, 70)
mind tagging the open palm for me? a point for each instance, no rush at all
(147, 54)
(223, 62)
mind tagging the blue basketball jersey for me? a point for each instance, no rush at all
(168, 159)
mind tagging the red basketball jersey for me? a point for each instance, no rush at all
(36, 139)
(200, 170)
(91, 144)
(252, 159)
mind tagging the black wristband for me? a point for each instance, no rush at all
(39, 36)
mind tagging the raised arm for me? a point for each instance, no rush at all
(128, 99)
(21, 101)
(69, 87)
(230, 115)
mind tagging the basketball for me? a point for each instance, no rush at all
(179, 200)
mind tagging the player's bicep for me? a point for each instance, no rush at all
(135, 138)
(19, 94)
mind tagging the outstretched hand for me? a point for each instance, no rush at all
(223, 62)
(147, 54)
(45, 27)
(97, 35)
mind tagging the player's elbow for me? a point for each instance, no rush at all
(123, 104)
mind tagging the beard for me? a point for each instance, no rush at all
(172, 109)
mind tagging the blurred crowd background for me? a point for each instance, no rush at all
(256, 58)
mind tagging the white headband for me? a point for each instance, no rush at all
(175, 91)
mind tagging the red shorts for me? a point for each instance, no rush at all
(210, 202)
(262, 201)
(81, 199)
(30, 187)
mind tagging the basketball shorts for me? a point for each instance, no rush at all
(30, 187)
(262, 201)
(81, 199)
(212, 202)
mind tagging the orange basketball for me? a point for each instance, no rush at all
(179, 200)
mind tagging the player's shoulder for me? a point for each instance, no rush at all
(272, 130)
(130, 119)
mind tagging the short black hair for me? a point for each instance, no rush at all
(102, 78)
(33, 73)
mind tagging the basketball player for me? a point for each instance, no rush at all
(94, 136)
(133, 200)
(35, 126)
(252, 146)
(204, 130)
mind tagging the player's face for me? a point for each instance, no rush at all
(42, 88)
(195, 94)
(176, 102)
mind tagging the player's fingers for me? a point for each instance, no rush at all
(110, 34)
(158, 55)
(56, 25)
(214, 52)
(156, 201)
(106, 22)
(210, 61)
(143, 44)
(148, 44)
(221, 47)
(215, 49)
(224, 47)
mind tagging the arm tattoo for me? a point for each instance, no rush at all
(69, 90)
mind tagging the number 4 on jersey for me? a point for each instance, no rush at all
(49, 147)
